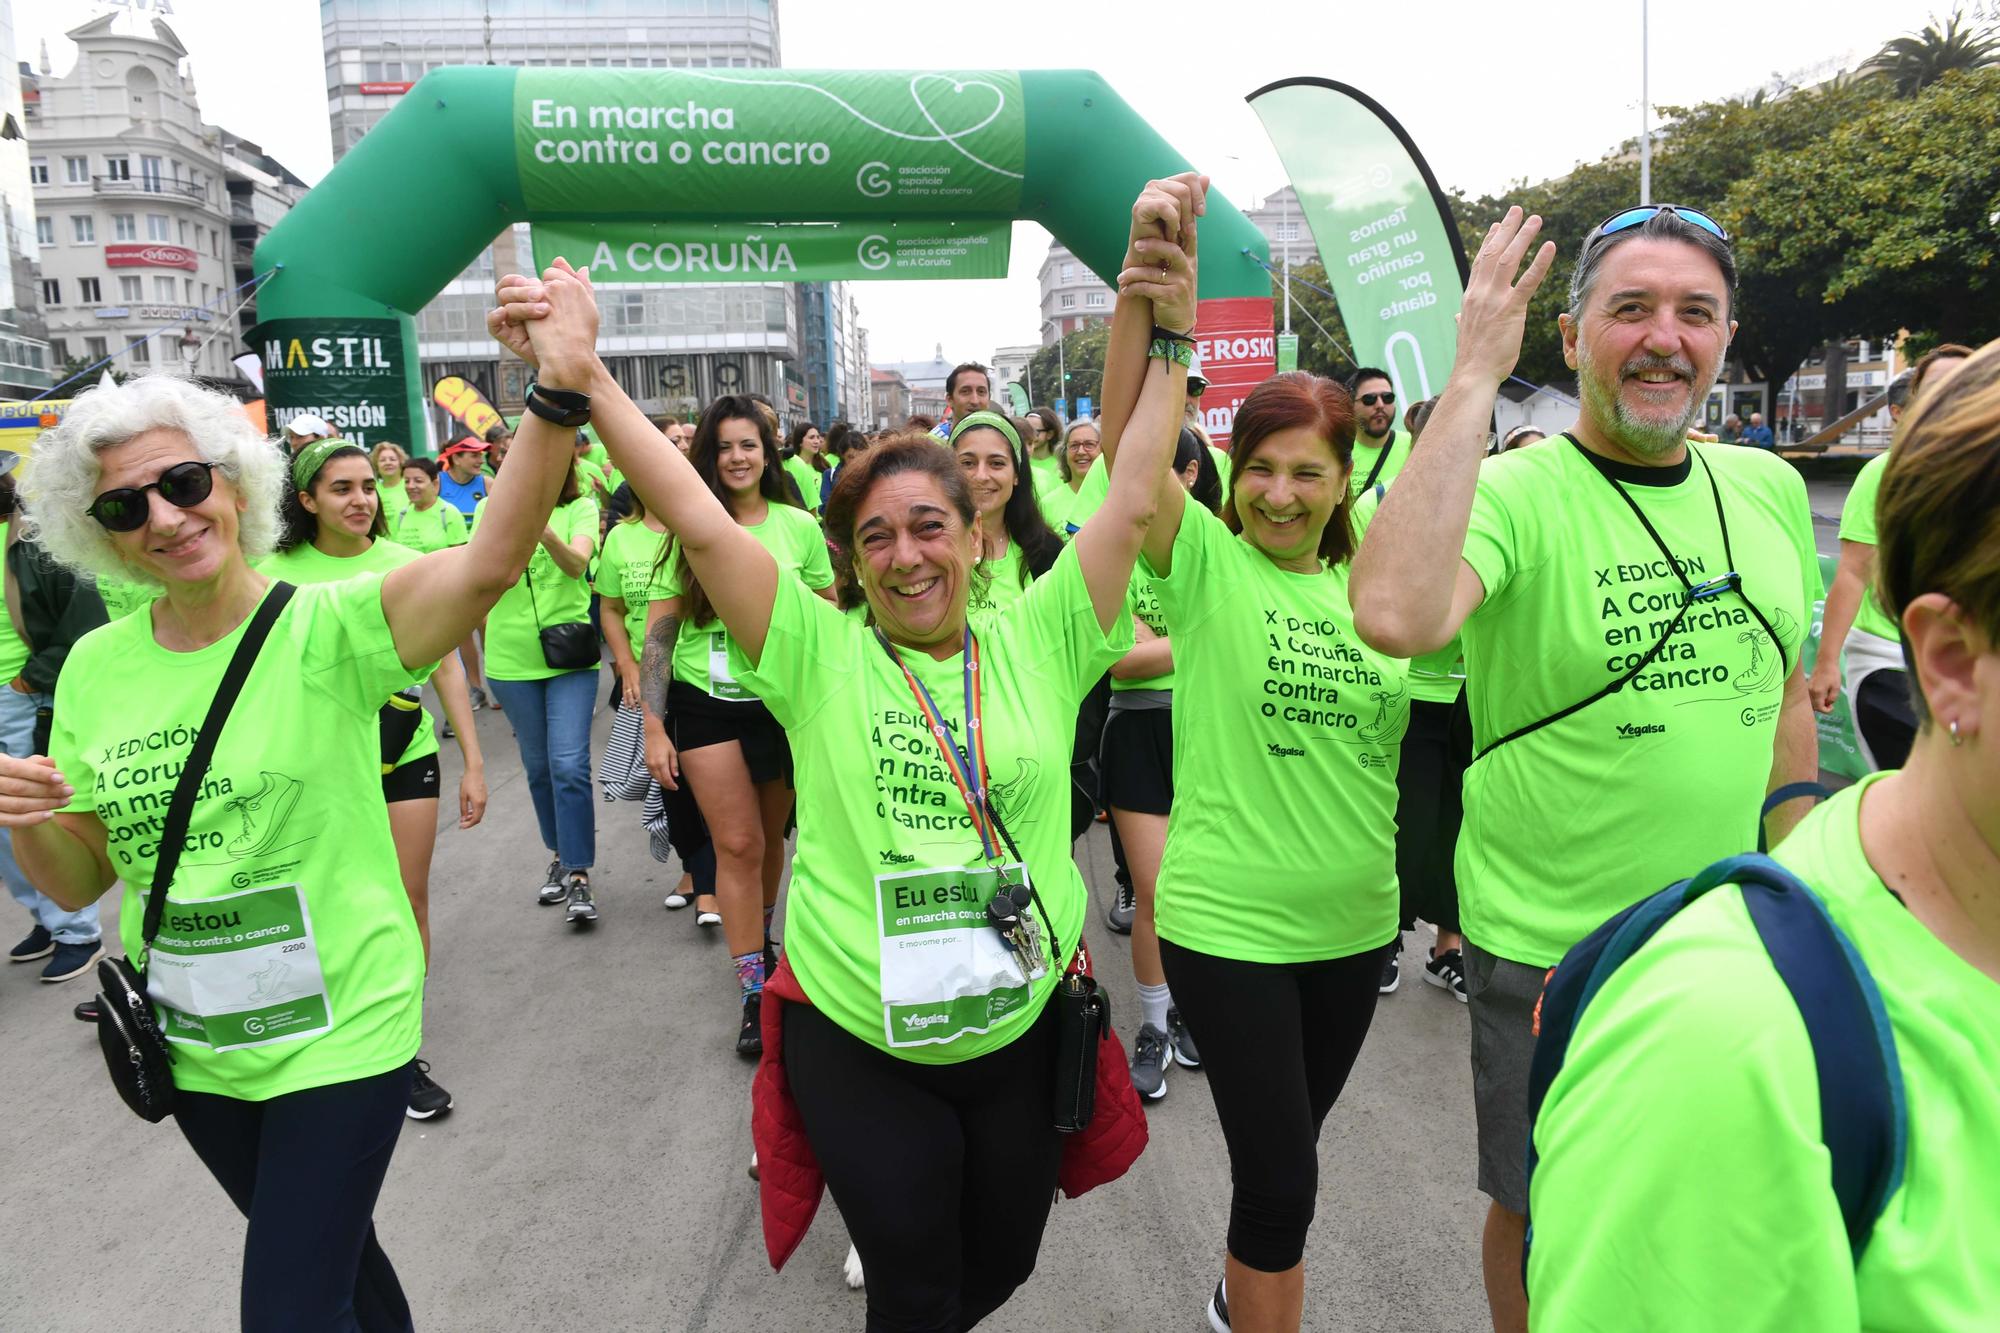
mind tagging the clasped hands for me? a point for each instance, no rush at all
(550, 323)
(1161, 255)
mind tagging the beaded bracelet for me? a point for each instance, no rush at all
(1164, 350)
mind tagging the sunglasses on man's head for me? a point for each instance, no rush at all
(126, 509)
(1386, 398)
(1626, 219)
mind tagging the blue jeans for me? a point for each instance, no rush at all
(552, 726)
(17, 738)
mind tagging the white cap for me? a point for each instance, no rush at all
(306, 423)
(1194, 375)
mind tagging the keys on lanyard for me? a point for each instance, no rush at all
(1008, 913)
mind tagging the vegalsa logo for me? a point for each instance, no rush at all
(1284, 751)
(918, 1022)
(1632, 731)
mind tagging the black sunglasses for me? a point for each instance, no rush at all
(126, 509)
(1370, 399)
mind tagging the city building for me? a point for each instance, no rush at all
(132, 206)
(1072, 296)
(261, 190)
(925, 381)
(1284, 226)
(672, 347)
(25, 366)
(892, 400)
(1009, 365)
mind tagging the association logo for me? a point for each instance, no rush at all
(874, 180)
(873, 253)
(254, 1026)
(1632, 731)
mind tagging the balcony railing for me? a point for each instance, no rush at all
(144, 185)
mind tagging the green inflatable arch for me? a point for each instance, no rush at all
(623, 153)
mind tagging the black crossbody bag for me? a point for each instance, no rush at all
(569, 646)
(135, 1050)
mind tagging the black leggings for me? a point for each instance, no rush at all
(1430, 807)
(1277, 1041)
(305, 1168)
(944, 1174)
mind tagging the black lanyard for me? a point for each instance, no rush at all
(1693, 592)
(1380, 459)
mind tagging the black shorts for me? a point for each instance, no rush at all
(417, 780)
(700, 720)
(1137, 761)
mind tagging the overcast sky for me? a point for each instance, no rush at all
(1490, 93)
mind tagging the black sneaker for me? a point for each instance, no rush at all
(445, 733)
(1181, 1041)
(1392, 967)
(554, 889)
(427, 1099)
(1124, 907)
(1149, 1063)
(39, 944)
(69, 961)
(750, 1037)
(1447, 972)
(1218, 1309)
(87, 1012)
(582, 910)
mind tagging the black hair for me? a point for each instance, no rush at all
(1207, 488)
(1365, 373)
(428, 466)
(696, 609)
(299, 526)
(1027, 527)
(951, 380)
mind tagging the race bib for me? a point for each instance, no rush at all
(721, 682)
(945, 970)
(239, 970)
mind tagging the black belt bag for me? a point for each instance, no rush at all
(135, 1050)
(1083, 1016)
(400, 718)
(569, 646)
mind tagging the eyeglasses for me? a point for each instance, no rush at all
(126, 509)
(1625, 219)
(1370, 399)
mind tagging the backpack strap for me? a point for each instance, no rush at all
(1864, 1117)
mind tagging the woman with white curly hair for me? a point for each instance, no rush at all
(288, 972)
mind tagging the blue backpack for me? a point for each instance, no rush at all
(1863, 1116)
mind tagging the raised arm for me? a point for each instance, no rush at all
(737, 573)
(1411, 588)
(1144, 494)
(433, 603)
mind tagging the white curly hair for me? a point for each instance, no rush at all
(62, 474)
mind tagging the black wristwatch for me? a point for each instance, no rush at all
(561, 407)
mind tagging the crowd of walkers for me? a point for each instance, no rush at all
(1368, 670)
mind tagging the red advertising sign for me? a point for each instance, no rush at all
(1238, 351)
(131, 255)
(392, 89)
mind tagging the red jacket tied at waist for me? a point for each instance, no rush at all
(790, 1181)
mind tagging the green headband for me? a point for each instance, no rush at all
(313, 457)
(992, 421)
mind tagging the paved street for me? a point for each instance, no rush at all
(593, 1174)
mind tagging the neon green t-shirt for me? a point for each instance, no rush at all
(1058, 504)
(543, 596)
(807, 480)
(1287, 732)
(13, 648)
(1857, 524)
(705, 656)
(592, 480)
(1045, 472)
(1574, 822)
(1393, 457)
(1142, 600)
(1683, 1183)
(1006, 578)
(427, 530)
(625, 571)
(289, 835)
(393, 497)
(122, 598)
(308, 564)
(878, 813)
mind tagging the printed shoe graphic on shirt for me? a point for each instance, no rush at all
(1003, 794)
(1391, 718)
(264, 813)
(270, 982)
(1767, 659)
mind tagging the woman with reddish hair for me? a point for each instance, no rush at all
(1277, 889)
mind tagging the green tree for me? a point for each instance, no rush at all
(1893, 221)
(1082, 357)
(1914, 62)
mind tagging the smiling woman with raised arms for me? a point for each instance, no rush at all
(918, 1043)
